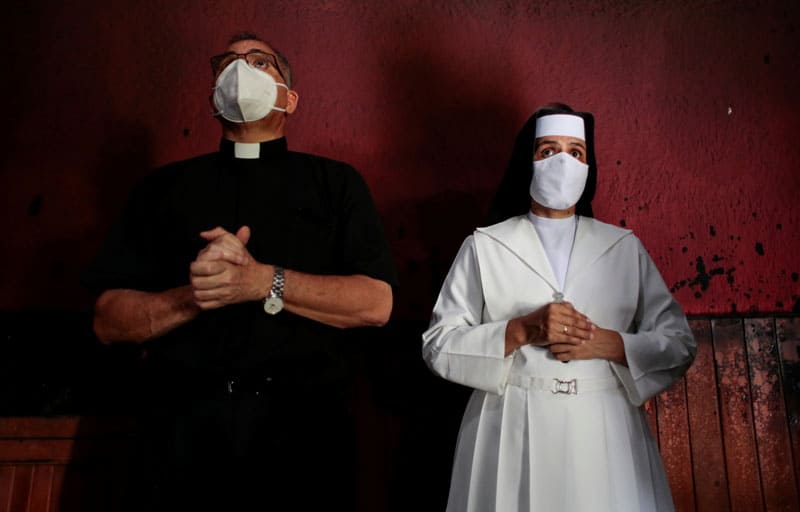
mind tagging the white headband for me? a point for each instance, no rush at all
(560, 124)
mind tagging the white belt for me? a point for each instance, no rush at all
(567, 387)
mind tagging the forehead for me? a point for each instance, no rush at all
(249, 44)
(563, 140)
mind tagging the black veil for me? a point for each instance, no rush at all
(513, 197)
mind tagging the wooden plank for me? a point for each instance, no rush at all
(21, 491)
(708, 458)
(40, 450)
(788, 331)
(736, 414)
(57, 488)
(25, 427)
(60, 451)
(6, 486)
(769, 417)
(41, 488)
(673, 428)
(64, 427)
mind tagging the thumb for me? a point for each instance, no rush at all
(243, 234)
(211, 234)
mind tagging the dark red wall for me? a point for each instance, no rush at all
(696, 106)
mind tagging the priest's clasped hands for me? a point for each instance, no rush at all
(225, 272)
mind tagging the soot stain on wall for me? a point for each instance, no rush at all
(705, 267)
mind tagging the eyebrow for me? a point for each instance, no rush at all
(579, 144)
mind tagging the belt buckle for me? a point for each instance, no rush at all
(567, 387)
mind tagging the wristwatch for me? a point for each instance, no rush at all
(273, 303)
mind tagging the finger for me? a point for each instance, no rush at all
(560, 330)
(210, 295)
(567, 309)
(216, 253)
(560, 348)
(229, 243)
(207, 268)
(243, 234)
(564, 356)
(575, 327)
(211, 234)
(226, 240)
(207, 283)
(566, 353)
(210, 304)
(575, 320)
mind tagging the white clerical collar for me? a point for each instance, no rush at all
(552, 223)
(247, 150)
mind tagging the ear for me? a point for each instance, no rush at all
(291, 101)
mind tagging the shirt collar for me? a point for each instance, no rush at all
(254, 150)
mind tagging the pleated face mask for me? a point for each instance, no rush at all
(243, 93)
(558, 181)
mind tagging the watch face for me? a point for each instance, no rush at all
(273, 305)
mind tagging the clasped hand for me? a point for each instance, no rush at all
(225, 272)
(566, 332)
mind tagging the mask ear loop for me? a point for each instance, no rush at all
(278, 84)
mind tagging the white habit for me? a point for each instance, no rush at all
(523, 447)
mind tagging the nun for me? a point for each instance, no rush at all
(563, 327)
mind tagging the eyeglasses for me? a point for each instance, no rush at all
(255, 58)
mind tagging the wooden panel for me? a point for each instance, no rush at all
(36, 450)
(788, 330)
(6, 486)
(23, 427)
(57, 490)
(60, 451)
(673, 426)
(708, 459)
(41, 488)
(769, 417)
(21, 490)
(64, 427)
(737, 419)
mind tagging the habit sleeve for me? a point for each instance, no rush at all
(457, 346)
(661, 347)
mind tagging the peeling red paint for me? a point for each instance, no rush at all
(414, 101)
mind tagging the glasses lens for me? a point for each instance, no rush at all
(262, 60)
(221, 61)
(255, 58)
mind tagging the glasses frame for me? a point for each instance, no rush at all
(216, 60)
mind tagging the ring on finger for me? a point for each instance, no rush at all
(566, 329)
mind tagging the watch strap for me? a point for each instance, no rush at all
(278, 281)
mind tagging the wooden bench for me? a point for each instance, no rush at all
(729, 433)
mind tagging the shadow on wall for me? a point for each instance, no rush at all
(103, 478)
(124, 157)
(446, 122)
(68, 225)
(450, 135)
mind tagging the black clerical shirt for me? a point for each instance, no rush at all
(306, 213)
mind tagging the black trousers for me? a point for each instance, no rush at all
(230, 446)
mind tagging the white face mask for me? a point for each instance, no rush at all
(558, 181)
(243, 93)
